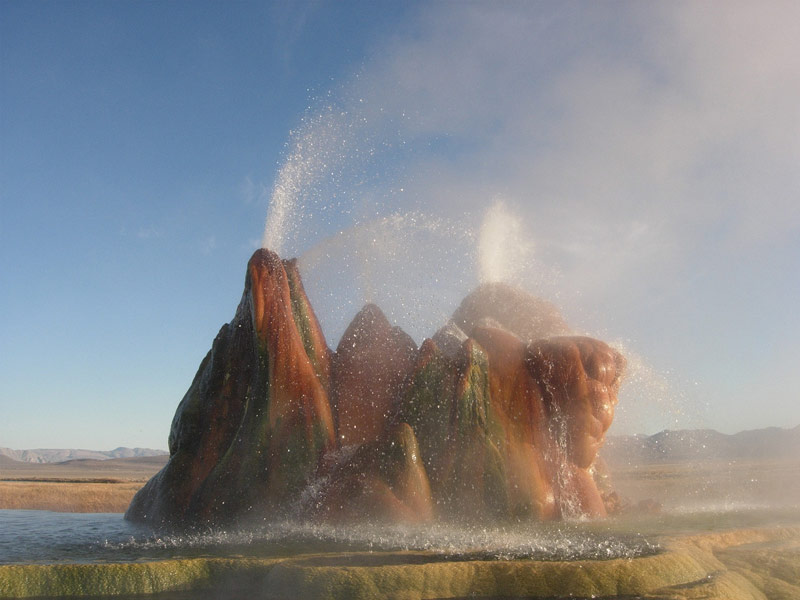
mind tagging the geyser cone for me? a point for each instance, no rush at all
(496, 418)
(371, 363)
(520, 424)
(256, 420)
(308, 325)
(578, 378)
(508, 428)
(513, 309)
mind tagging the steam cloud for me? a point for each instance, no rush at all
(503, 246)
(645, 149)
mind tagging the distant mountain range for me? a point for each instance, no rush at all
(668, 446)
(56, 455)
(772, 443)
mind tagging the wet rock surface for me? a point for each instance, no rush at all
(371, 363)
(498, 417)
(256, 420)
(512, 309)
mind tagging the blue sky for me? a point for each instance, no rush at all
(641, 159)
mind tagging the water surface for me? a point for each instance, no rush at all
(30, 536)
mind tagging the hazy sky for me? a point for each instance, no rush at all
(639, 162)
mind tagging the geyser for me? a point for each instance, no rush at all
(498, 417)
(503, 249)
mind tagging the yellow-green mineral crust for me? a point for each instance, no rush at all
(739, 565)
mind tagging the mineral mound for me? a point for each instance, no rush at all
(499, 416)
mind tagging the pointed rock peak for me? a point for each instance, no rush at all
(264, 259)
(523, 314)
(449, 339)
(267, 288)
(371, 363)
(370, 327)
(367, 322)
(427, 352)
(372, 313)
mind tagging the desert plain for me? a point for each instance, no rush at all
(712, 485)
(102, 486)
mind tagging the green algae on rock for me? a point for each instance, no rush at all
(712, 567)
(254, 424)
(465, 427)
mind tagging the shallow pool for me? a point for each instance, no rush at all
(28, 536)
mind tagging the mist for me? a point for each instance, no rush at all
(646, 180)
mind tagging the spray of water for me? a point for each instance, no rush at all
(317, 151)
(448, 541)
(414, 266)
(651, 398)
(329, 206)
(343, 164)
(504, 247)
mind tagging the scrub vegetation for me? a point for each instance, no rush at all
(104, 496)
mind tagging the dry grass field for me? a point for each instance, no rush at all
(68, 496)
(75, 486)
